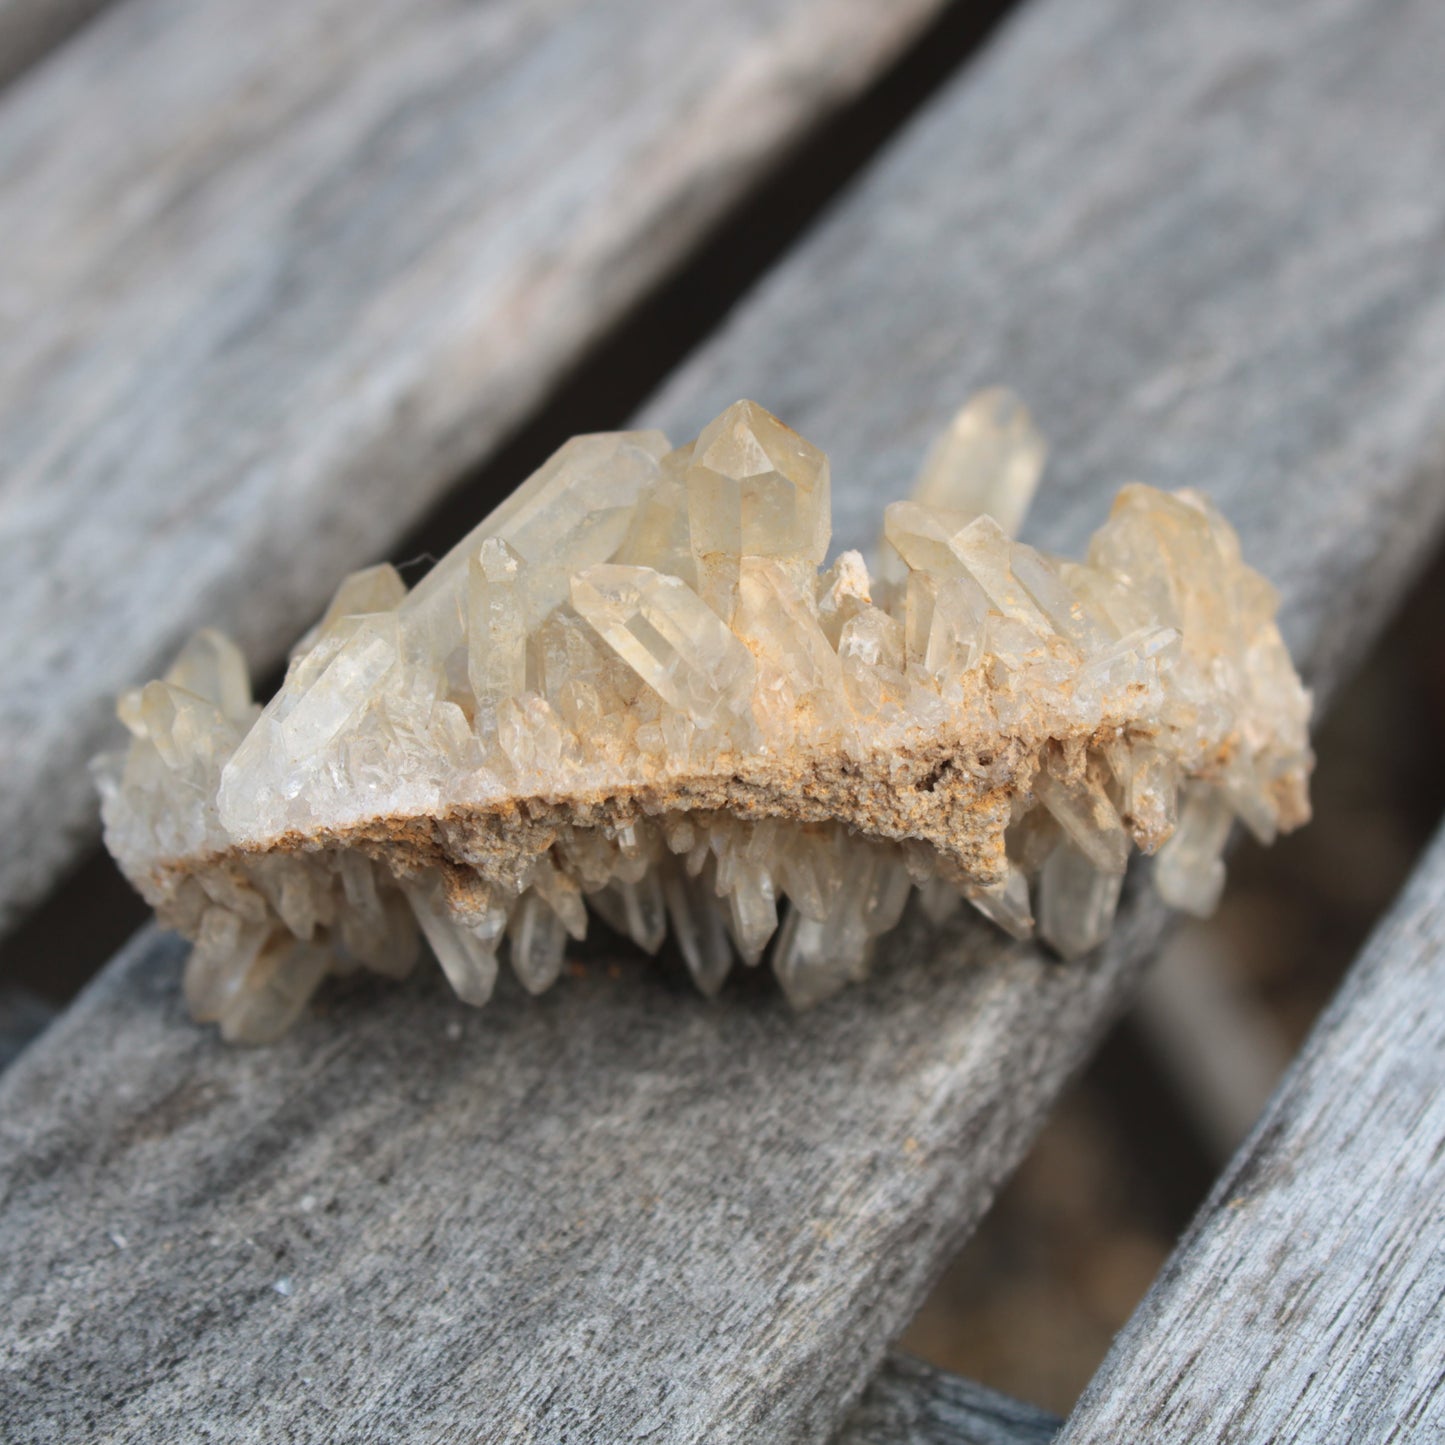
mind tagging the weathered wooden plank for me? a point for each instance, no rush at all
(276, 272)
(1305, 1303)
(22, 1017)
(621, 1211)
(911, 1403)
(29, 29)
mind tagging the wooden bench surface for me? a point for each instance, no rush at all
(621, 1211)
(276, 273)
(1308, 1300)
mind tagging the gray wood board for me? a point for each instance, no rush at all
(23, 1017)
(621, 1211)
(912, 1403)
(30, 29)
(275, 273)
(1307, 1302)
(616, 1213)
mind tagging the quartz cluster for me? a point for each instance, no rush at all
(634, 689)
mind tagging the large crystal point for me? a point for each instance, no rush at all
(575, 509)
(632, 692)
(755, 488)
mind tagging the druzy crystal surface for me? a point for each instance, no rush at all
(635, 691)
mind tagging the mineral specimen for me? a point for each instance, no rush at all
(631, 689)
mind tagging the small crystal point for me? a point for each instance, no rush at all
(539, 943)
(1083, 809)
(815, 958)
(469, 961)
(1006, 904)
(1076, 901)
(752, 905)
(698, 925)
(225, 947)
(277, 987)
(989, 460)
(373, 589)
(1189, 868)
(212, 667)
(955, 627)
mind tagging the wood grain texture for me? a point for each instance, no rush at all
(23, 1017)
(618, 1212)
(621, 1211)
(911, 1403)
(275, 273)
(30, 29)
(1307, 1301)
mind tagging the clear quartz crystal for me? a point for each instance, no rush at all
(1006, 904)
(496, 623)
(276, 987)
(632, 691)
(211, 667)
(1189, 868)
(989, 459)
(469, 961)
(755, 488)
(814, 958)
(699, 927)
(539, 943)
(1076, 901)
(955, 628)
(669, 637)
(225, 947)
(373, 589)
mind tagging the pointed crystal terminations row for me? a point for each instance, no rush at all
(632, 692)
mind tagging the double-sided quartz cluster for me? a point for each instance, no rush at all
(632, 688)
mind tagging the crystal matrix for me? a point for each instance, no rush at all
(632, 690)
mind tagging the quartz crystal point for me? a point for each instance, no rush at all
(632, 692)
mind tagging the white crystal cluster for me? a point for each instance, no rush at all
(633, 689)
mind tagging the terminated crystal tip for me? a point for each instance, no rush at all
(632, 692)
